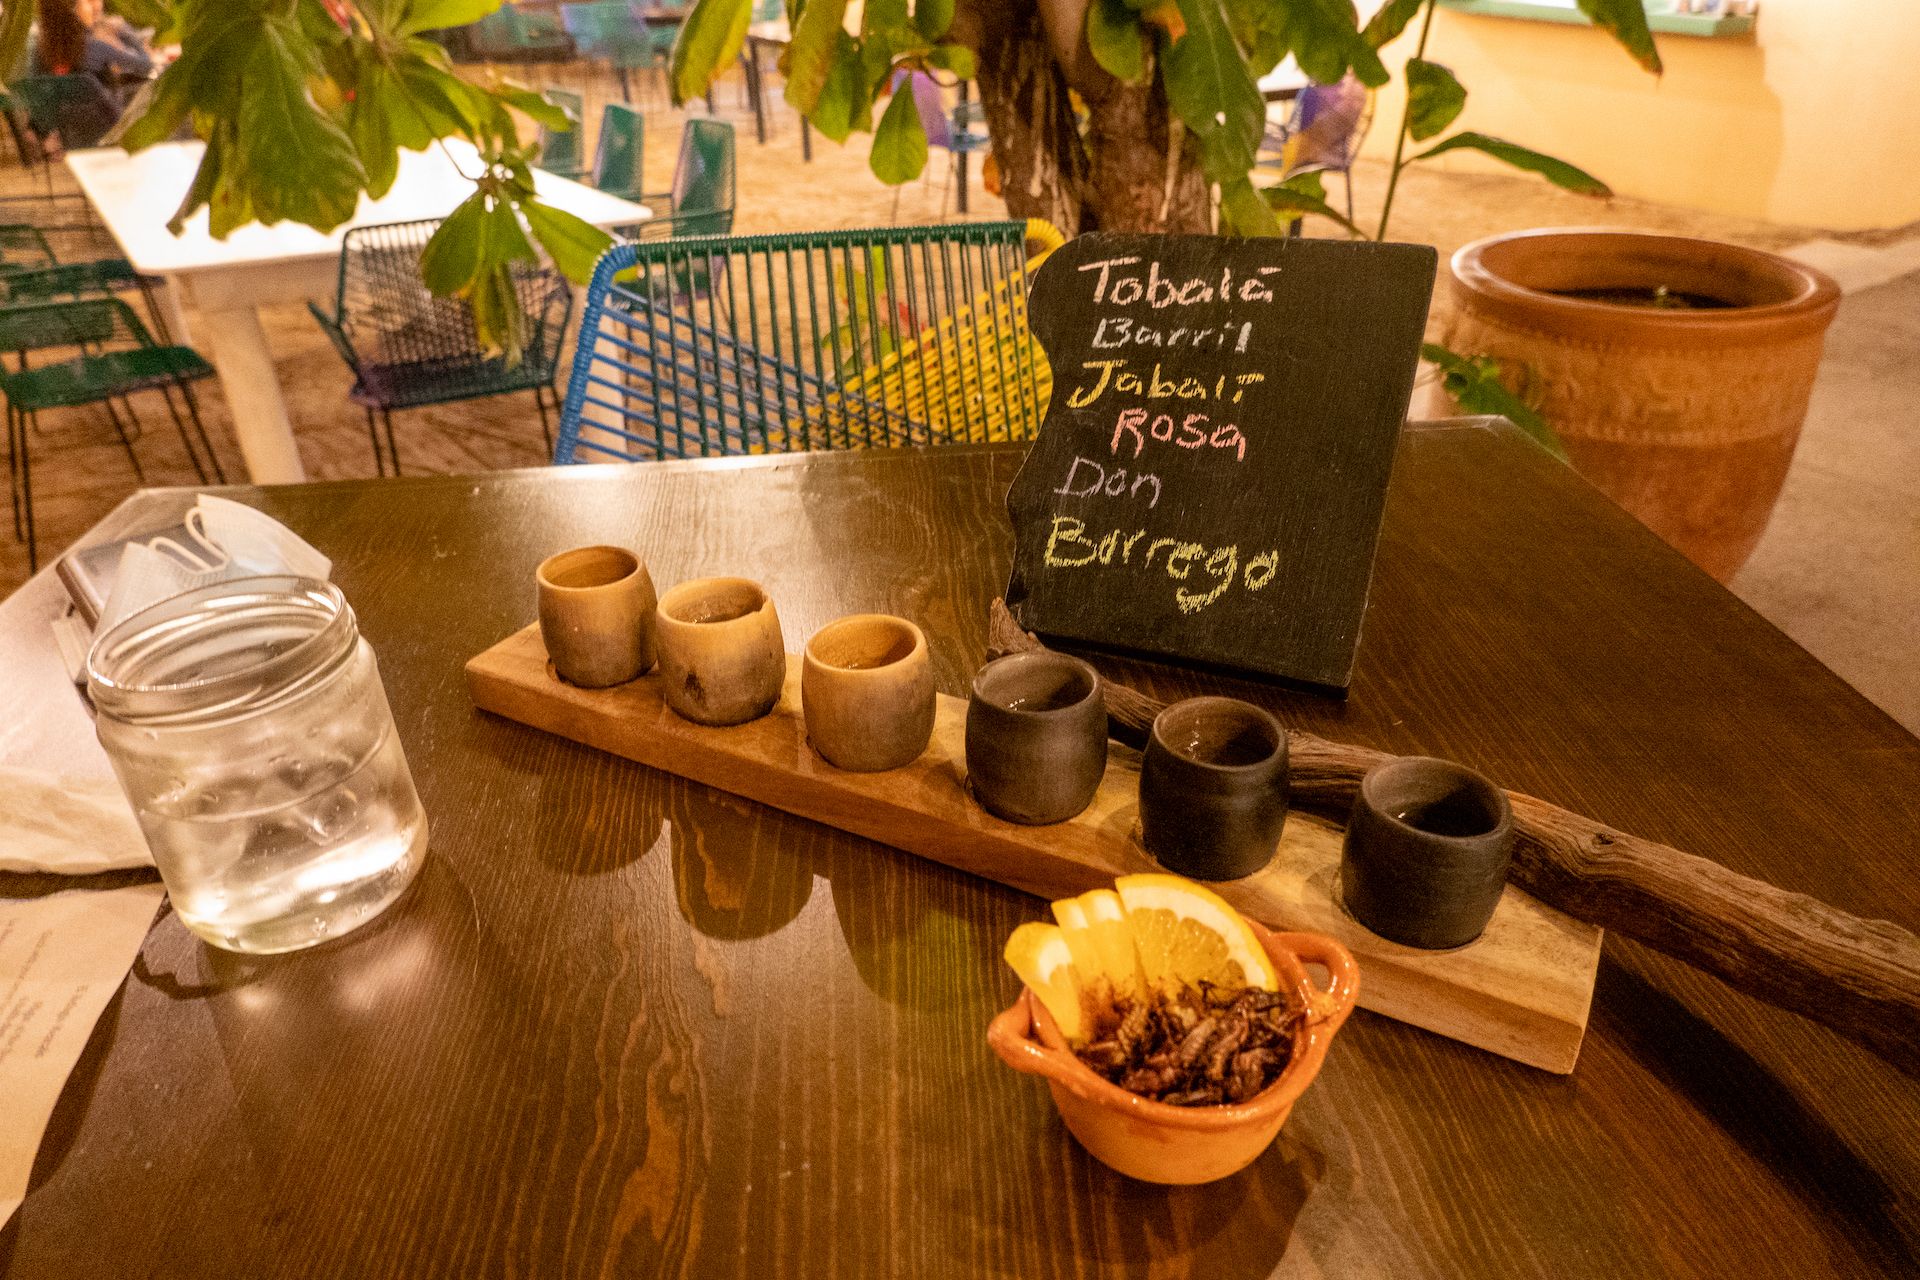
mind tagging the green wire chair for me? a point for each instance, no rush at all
(510, 34)
(829, 340)
(408, 348)
(702, 198)
(611, 32)
(117, 358)
(561, 150)
(618, 157)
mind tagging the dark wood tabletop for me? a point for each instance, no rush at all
(628, 1026)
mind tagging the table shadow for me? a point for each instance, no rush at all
(1753, 1107)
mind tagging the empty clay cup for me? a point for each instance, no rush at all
(866, 688)
(1036, 737)
(1427, 851)
(596, 615)
(1213, 788)
(722, 658)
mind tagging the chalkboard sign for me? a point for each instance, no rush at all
(1208, 481)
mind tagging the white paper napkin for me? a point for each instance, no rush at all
(70, 825)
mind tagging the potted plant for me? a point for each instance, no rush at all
(1675, 371)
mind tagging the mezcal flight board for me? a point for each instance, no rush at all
(1208, 482)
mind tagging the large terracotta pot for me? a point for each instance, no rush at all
(1687, 418)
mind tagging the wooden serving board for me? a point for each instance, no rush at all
(1522, 990)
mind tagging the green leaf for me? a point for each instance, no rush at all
(1326, 42)
(539, 108)
(883, 15)
(1117, 39)
(933, 17)
(573, 243)
(1435, 98)
(1558, 172)
(1305, 193)
(439, 15)
(900, 146)
(1244, 212)
(1475, 384)
(152, 14)
(1263, 28)
(158, 111)
(956, 59)
(1389, 21)
(451, 258)
(1213, 93)
(296, 161)
(377, 105)
(16, 21)
(814, 52)
(845, 102)
(1626, 22)
(709, 41)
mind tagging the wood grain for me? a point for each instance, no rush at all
(1859, 977)
(628, 1025)
(1522, 990)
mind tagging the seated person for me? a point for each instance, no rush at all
(73, 37)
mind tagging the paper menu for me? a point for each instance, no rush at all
(61, 959)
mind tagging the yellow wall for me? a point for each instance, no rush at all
(1814, 119)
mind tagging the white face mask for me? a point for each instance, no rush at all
(225, 540)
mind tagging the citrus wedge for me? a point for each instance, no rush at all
(1096, 933)
(1038, 953)
(1185, 934)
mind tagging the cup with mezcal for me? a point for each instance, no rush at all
(249, 729)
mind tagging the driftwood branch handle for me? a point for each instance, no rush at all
(1859, 977)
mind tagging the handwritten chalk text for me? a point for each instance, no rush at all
(1212, 571)
(1114, 374)
(1162, 291)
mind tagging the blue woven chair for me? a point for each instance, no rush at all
(408, 348)
(696, 347)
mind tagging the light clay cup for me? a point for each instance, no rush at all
(596, 615)
(722, 658)
(866, 687)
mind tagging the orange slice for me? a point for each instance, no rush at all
(1038, 953)
(1185, 934)
(1096, 932)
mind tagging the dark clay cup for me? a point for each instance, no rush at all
(1036, 737)
(1427, 852)
(1213, 788)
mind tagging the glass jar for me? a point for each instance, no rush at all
(249, 729)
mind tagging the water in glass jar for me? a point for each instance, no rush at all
(317, 843)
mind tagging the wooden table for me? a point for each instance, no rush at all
(629, 1026)
(228, 281)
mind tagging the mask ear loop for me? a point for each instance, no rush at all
(215, 559)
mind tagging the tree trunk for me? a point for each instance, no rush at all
(1036, 141)
(1135, 169)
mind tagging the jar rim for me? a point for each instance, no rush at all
(179, 660)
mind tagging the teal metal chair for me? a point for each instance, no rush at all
(829, 340)
(23, 247)
(563, 151)
(610, 31)
(702, 199)
(515, 35)
(32, 271)
(408, 348)
(117, 359)
(618, 158)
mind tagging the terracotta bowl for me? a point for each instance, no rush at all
(1153, 1141)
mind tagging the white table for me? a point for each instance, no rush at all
(228, 281)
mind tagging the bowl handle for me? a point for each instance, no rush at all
(1007, 1036)
(1329, 1007)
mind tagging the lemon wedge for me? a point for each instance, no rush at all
(1184, 935)
(1038, 953)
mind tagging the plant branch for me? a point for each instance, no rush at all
(1406, 123)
